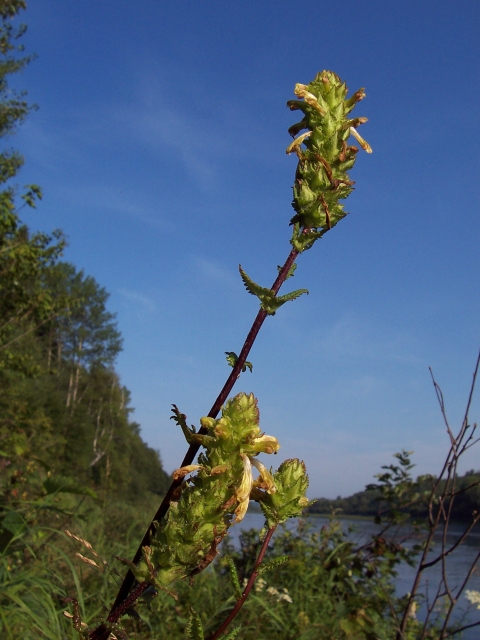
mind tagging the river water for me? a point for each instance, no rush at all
(458, 563)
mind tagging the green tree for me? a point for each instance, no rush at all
(13, 106)
(25, 303)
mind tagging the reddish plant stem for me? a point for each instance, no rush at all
(248, 588)
(101, 632)
(104, 630)
(128, 602)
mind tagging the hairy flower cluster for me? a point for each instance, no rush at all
(324, 155)
(217, 496)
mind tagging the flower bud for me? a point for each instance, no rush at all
(183, 471)
(289, 500)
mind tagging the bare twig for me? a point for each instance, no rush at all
(460, 590)
(459, 630)
(460, 540)
(442, 514)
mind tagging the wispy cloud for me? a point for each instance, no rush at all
(354, 336)
(165, 119)
(172, 132)
(73, 144)
(363, 386)
(137, 298)
(162, 120)
(97, 198)
(216, 272)
(189, 121)
(46, 143)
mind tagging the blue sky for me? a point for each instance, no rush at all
(160, 146)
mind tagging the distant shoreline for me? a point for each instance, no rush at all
(338, 516)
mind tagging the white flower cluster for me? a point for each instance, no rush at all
(473, 597)
(260, 585)
(280, 595)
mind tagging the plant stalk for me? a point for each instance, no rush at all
(239, 604)
(117, 610)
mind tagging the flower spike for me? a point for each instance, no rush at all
(321, 179)
(215, 497)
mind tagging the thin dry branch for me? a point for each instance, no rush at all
(440, 512)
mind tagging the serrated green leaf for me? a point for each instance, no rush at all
(234, 577)
(302, 241)
(194, 628)
(269, 301)
(252, 287)
(268, 513)
(232, 359)
(266, 296)
(273, 303)
(291, 296)
(273, 564)
(181, 420)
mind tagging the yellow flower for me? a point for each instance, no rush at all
(242, 493)
(266, 476)
(297, 142)
(301, 91)
(265, 444)
(363, 143)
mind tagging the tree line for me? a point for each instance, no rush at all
(65, 417)
(371, 502)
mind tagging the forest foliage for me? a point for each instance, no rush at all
(65, 417)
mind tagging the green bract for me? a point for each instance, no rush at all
(321, 180)
(269, 301)
(208, 503)
(289, 500)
